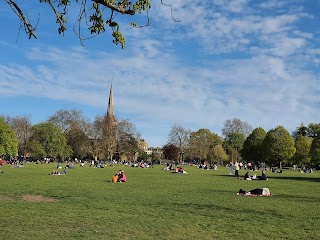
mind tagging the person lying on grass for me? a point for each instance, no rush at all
(255, 192)
(180, 170)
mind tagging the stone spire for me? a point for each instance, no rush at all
(110, 110)
(110, 128)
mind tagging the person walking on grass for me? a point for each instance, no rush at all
(237, 168)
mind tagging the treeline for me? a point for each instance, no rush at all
(67, 134)
(240, 142)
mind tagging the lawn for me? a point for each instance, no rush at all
(155, 204)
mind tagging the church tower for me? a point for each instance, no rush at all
(110, 128)
(110, 111)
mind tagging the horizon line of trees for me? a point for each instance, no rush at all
(68, 134)
(240, 142)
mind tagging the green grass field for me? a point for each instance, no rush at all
(155, 204)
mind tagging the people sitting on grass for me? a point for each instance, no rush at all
(16, 165)
(263, 176)
(168, 167)
(255, 192)
(69, 166)
(58, 166)
(114, 178)
(122, 176)
(255, 177)
(247, 176)
(56, 172)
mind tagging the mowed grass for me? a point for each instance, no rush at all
(155, 204)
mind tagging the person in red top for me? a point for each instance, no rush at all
(122, 177)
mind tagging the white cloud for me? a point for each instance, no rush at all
(252, 66)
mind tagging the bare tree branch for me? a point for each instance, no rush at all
(168, 5)
(58, 17)
(28, 27)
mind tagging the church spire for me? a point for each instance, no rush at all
(110, 110)
(110, 128)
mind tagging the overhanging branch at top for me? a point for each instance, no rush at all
(117, 8)
(28, 27)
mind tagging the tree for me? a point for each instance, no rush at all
(301, 130)
(95, 144)
(155, 158)
(73, 124)
(127, 146)
(179, 136)
(91, 14)
(235, 125)
(22, 127)
(302, 154)
(315, 151)
(200, 143)
(278, 146)
(253, 146)
(217, 153)
(66, 119)
(8, 140)
(314, 130)
(171, 151)
(143, 156)
(48, 140)
(76, 139)
(234, 143)
(127, 139)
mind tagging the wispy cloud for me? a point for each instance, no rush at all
(253, 62)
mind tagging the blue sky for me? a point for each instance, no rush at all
(249, 59)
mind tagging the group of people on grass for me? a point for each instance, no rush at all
(56, 172)
(119, 177)
(175, 170)
(255, 177)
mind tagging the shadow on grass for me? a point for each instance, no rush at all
(310, 179)
(298, 198)
(281, 177)
(212, 209)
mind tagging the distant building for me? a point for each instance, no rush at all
(143, 145)
(157, 150)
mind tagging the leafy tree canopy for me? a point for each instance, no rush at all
(48, 140)
(278, 145)
(8, 140)
(201, 142)
(171, 151)
(313, 130)
(315, 151)
(252, 147)
(302, 145)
